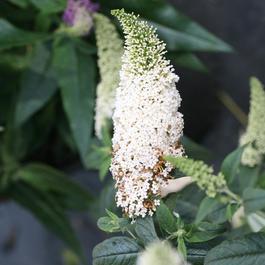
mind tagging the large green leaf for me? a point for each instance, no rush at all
(37, 87)
(47, 179)
(49, 6)
(166, 219)
(145, 230)
(246, 177)
(208, 206)
(116, 250)
(249, 250)
(48, 212)
(10, 36)
(180, 32)
(231, 163)
(254, 199)
(76, 72)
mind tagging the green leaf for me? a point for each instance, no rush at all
(37, 87)
(15, 61)
(116, 250)
(145, 230)
(246, 177)
(182, 41)
(253, 199)
(112, 223)
(182, 247)
(49, 6)
(166, 219)
(76, 76)
(256, 221)
(187, 60)
(207, 206)
(48, 212)
(104, 168)
(20, 3)
(231, 163)
(108, 225)
(230, 211)
(195, 150)
(180, 32)
(10, 36)
(106, 135)
(47, 179)
(248, 250)
(204, 232)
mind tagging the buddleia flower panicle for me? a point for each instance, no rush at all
(200, 173)
(160, 253)
(78, 16)
(110, 50)
(147, 124)
(254, 136)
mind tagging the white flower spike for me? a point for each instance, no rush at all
(110, 51)
(147, 124)
(255, 134)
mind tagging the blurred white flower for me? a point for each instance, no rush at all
(110, 51)
(160, 253)
(255, 133)
(147, 124)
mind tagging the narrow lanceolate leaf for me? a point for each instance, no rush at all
(47, 179)
(145, 230)
(254, 199)
(116, 250)
(75, 72)
(10, 36)
(183, 41)
(38, 85)
(48, 212)
(249, 250)
(20, 3)
(49, 6)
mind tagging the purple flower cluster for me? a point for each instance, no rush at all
(73, 8)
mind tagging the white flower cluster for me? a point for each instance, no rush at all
(147, 124)
(160, 253)
(255, 133)
(110, 50)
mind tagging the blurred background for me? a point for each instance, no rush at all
(239, 23)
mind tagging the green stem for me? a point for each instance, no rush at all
(232, 195)
(233, 107)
